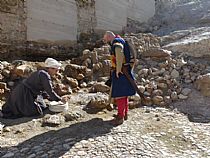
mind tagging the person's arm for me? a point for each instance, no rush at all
(47, 85)
(119, 58)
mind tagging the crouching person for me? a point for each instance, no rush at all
(23, 99)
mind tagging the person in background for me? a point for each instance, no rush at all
(121, 88)
(26, 99)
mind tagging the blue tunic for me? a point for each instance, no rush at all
(121, 86)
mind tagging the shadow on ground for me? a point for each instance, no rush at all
(196, 107)
(54, 140)
(17, 121)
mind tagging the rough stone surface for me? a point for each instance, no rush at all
(149, 132)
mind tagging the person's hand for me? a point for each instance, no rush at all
(117, 73)
(65, 99)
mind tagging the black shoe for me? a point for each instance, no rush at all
(126, 117)
(117, 121)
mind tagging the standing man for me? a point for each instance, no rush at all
(121, 87)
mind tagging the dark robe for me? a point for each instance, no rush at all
(21, 101)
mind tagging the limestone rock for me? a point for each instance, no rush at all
(52, 120)
(175, 73)
(147, 101)
(72, 82)
(22, 70)
(174, 96)
(181, 96)
(186, 91)
(157, 100)
(100, 87)
(203, 84)
(98, 102)
(157, 53)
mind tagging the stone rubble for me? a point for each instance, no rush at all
(157, 70)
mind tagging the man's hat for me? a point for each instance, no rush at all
(52, 63)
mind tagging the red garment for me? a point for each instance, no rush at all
(122, 106)
(117, 36)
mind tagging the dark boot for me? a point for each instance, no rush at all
(117, 121)
(126, 117)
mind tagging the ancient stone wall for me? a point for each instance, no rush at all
(86, 16)
(12, 21)
(38, 28)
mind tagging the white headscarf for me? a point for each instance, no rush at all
(52, 63)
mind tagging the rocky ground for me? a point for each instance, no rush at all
(148, 132)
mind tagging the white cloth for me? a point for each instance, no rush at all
(58, 106)
(40, 100)
(52, 63)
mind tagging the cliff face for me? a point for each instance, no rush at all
(180, 14)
